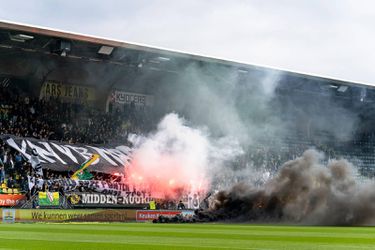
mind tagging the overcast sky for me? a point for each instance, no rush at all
(333, 38)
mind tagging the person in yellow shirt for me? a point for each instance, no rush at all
(152, 205)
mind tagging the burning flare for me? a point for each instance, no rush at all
(172, 161)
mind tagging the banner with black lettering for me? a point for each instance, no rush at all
(67, 157)
(96, 186)
(138, 99)
(67, 92)
(128, 199)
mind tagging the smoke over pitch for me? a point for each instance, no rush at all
(304, 191)
(242, 111)
(177, 159)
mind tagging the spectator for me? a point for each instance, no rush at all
(18, 162)
(10, 182)
(23, 185)
(2, 173)
(181, 206)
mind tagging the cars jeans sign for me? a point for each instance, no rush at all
(67, 92)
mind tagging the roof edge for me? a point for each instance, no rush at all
(5, 24)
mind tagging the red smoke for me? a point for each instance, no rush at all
(170, 162)
(165, 178)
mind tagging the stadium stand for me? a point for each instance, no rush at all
(51, 119)
(26, 112)
(25, 116)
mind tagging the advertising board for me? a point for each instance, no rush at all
(9, 215)
(67, 92)
(138, 99)
(150, 215)
(73, 215)
(130, 199)
(10, 200)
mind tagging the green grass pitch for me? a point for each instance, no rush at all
(182, 236)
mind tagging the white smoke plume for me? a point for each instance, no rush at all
(176, 158)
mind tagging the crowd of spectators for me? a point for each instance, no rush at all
(16, 172)
(25, 116)
(52, 119)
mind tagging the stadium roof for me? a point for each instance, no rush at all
(42, 53)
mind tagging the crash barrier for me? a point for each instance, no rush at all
(45, 200)
(68, 215)
(77, 200)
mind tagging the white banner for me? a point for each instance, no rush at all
(63, 157)
(122, 97)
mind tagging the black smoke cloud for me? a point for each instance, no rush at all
(304, 191)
